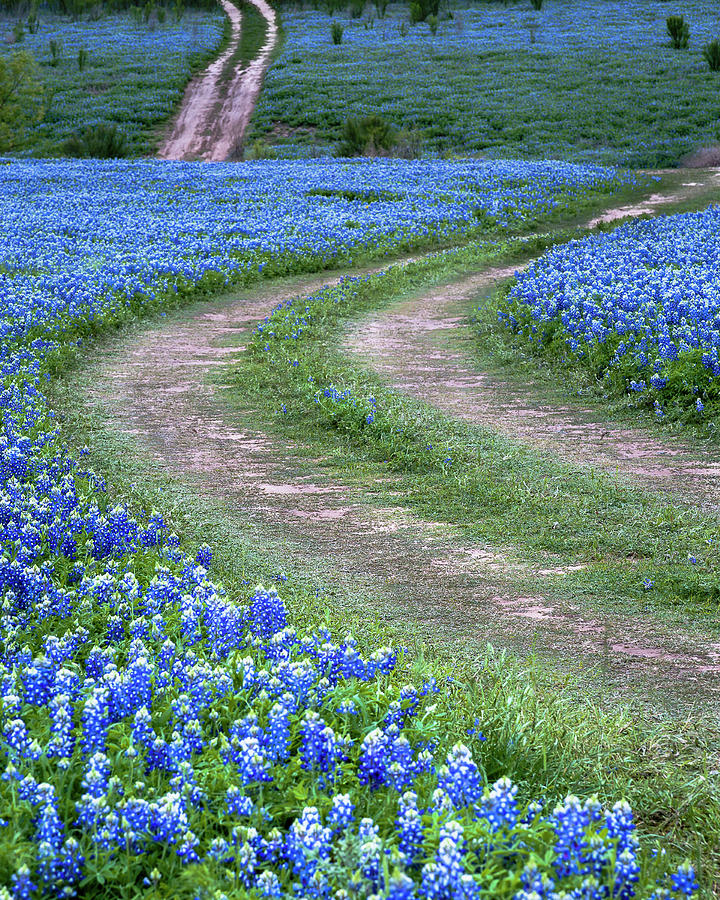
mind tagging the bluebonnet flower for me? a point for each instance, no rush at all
(95, 721)
(341, 812)
(408, 826)
(22, 885)
(499, 805)
(443, 878)
(684, 881)
(460, 777)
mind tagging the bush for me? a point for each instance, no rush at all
(55, 51)
(357, 7)
(100, 141)
(381, 7)
(371, 136)
(336, 30)
(433, 24)
(33, 22)
(711, 52)
(260, 149)
(82, 59)
(421, 9)
(679, 32)
(536, 4)
(21, 98)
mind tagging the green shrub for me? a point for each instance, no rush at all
(18, 33)
(370, 136)
(421, 9)
(711, 52)
(21, 97)
(33, 22)
(536, 4)
(82, 59)
(433, 24)
(259, 149)
(55, 51)
(357, 7)
(381, 7)
(101, 141)
(336, 30)
(679, 31)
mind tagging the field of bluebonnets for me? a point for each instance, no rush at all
(162, 737)
(639, 307)
(131, 74)
(501, 79)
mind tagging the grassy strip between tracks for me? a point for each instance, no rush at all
(638, 547)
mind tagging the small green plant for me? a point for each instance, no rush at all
(369, 136)
(357, 7)
(536, 4)
(33, 22)
(711, 53)
(433, 24)
(18, 33)
(403, 29)
(679, 32)
(178, 10)
(421, 9)
(381, 7)
(55, 52)
(82, 59)
(101, 141)
(336, 30)
(162, 15)
(259, 149)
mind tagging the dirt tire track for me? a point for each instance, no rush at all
(154, 386)
(215, 113)
(423, 347)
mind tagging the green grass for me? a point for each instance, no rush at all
(500, 492)
(254, 33)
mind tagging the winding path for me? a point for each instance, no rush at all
(217, 105)
(154, 386)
